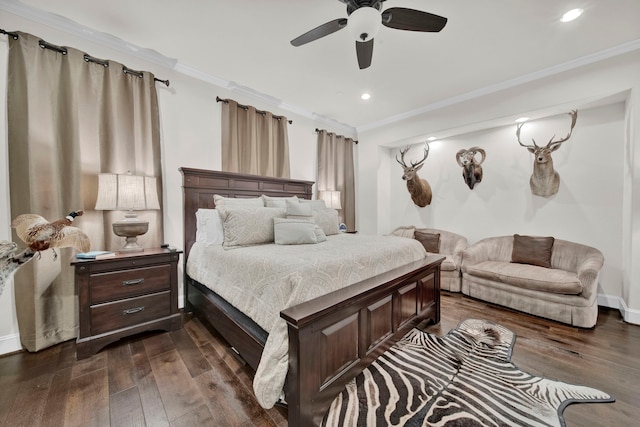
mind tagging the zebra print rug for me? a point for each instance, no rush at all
(465, 378)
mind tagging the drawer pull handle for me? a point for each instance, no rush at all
(132, 282)
(133, 310)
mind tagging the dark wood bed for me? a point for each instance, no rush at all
(331, 338)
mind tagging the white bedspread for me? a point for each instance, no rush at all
(263, 280)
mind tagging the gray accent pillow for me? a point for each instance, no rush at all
(430, 241)
(296, 232)
(532, 250)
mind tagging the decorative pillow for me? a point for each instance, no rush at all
(298, 209)
(248, 226)
(404, 231)
(430, 241)
(220, 201)
(277, 202)
(209, 227)
(327, 219)
(315, 204)
(532, 250)
(296, 232)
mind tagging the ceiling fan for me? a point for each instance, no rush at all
(364, 19)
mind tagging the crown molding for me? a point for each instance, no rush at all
(61, 23)
(507, 84)
(64, 24)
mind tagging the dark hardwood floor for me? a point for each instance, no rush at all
(189, 378)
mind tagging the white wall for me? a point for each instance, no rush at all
(190, 126)
(586, 209)
(601, 209)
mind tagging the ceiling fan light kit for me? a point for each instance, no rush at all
(364, 20)
(364, 23)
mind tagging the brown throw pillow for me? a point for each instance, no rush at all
(430, 241)
(532, 250)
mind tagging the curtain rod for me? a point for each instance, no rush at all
(339, 136)
(63, 50)
(245, 107)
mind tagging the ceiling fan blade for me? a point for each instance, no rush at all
(402, 18)
(364, 50)
(320, 31)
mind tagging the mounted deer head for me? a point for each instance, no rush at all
(545, 181)
(471, 169)
(419, 189)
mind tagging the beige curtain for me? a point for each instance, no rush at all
(336, 172)
(70, 119)
(254, 142)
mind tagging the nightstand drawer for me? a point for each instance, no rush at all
(121, 284)
(115, 315)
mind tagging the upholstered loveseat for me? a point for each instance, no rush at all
(546, 277)
(441, 242)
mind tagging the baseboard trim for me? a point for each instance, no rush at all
(10, 344)
(629, 315)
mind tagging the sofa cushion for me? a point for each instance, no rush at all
(430, 241)
(448, 264)
(532, 250)
(528, 277)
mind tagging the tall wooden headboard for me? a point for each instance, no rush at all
(199, 186)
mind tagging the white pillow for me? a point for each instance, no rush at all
(298, 209)
(248, 226)
(277, 202)
(315, 204)
(254, 202)
(296, 232)
(209, 227)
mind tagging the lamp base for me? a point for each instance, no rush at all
(130, 228)
(131, 245)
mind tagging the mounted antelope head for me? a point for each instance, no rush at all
(471, 169)
(545, 181)
(419, 189)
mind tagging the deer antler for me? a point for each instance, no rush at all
(426, 154)
(530, 147)
(402, 153)
(555, 144)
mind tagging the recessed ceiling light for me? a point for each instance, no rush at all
(571, 15)
(365, 96)
(431, 138)
(522, 119)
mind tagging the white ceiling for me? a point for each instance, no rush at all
(485, 45)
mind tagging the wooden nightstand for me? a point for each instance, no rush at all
(125, 295)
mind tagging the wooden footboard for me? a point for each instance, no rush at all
(334, 337)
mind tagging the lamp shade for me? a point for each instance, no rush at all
(331, 199)
(126, 192)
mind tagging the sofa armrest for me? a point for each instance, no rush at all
(473, 255)
(459, 248)
(588, 272)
